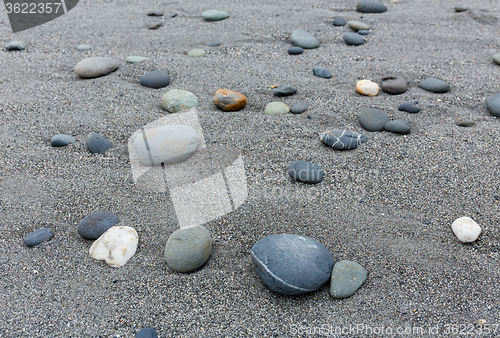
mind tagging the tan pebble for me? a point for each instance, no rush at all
(367, 87)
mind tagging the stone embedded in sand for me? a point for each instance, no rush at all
(392, 84)
(155, 13)
(358, 25)
(188, 249)
(15, 45)
(303, 39)
(284, 90)
(94, 225)
(367, 87)
(196, 53)
(83, 48)
(353, 39)
(370, 6)
(214, 15)
(155, 79)
(95, 67)
(176, 100)
(116, 246)
(466, 229)
(147, 332)
(322, 72)
(493, 104)
(97, 144)
(38, 236)
(135, 59)
(229, 100)
(434, 85)
(466, 123)
(339, 22)
(213, 43)
(61, 140)
(306, 172)
(373, 119)
(496, 58)
(299, 108)
(398, 126)
(276, 108)
(409, 107)
(342, 139)
(347, 278)
(155, 25)
(295, 50)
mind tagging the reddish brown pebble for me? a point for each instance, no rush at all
(229, 100)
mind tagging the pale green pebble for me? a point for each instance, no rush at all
(347, 278)
(15, 45)
(214, 15)
(196, 52)
(496, 58)
(135, 59)
(275, 108)
(176, 100)
(357, 25)
(83, 48)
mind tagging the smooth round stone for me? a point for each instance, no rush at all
(94, 225)
(135, 59)
(15, 45)
(398, 127)
(496, 58)
(434, 85)
(460, 9)
(147, 332)
(155, 25)
(392, 84)
(363, 32)
(38, 236)
(299, 108)
(276, 108)
(373, 119)
(466, 229)
(229, 100)
(367, 88)
(493, 104)
(214, 15)
(196, 52)
(358, 25)
(95, 67)
(188, 249)
(342, 139)
(291, 264)
(369, 6)
(295, 50)
(306, 172)
(347, 278)
(177, 100)
(213, 44)
(166, 144)
(353, 39)
(155, 13)
(339, 22)
(303, 39)
(409, 107)
(322, 72)
(83, 48)
(155, 79)
(284, 90)
(97, 144)
(116, 246)
(61, 140)
(466, 123)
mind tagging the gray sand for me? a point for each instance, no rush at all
(387, 205)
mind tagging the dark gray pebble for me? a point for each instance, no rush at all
(434, 85)
(61, 140)
(392, 84)
(284, 90)
(172, 15)
(342, 139)
(94, 225)
(295, 50)
(460, 9)
(353, 39)
(155, 13)
(466, 123)
(38, 236)
(373, 119)
(155, 25)
(97, 144)
(322, 72)
(369, 6)
(147, 332)
(493, 104)
(306, 172)
(409, 107)
(398, 127)
(155, 79)
(299, 108)
(213, 44)
(339, 22)
(363, 32)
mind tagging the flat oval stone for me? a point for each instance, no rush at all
(303, 39)
(213, 44)
(135, 59)
(373, 119)
(493, 104)
(155, 79)
(188, 249)
(369, 6)
(466, 229)
(15, 45)
(367, 88)
(116, 246)
(291, 264)
(322, 72)
(276, 108)
(306, 172)
(358, 25)
(177, 100)
(363, 32)
(61, 140)
(166, 144)
(342, 139)
(284, 90)
(347, 278)
(353, 39)
(339, 22)
(97, 144)
(95, 67)
(392, 84)
(496, 58)
(38, 236)
(94, 225)
(299, 108)
(155, 25)
(83, 48)
(196, 53)
(398, 126)
(409, 107)
(460, 9)
(155, 13)
(229, 100)
(147, 332)
(295, 50)
(214, 15)
(434, 85)
(466, 123)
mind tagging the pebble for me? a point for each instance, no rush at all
(135, 59)
(94, 225)
(116, 246)
(353, 39)
(342, 139)
(496, 58)
(284, 90)
(306, 172)
(196, 53)
(347, 278)
(292, 264)
(172, 15)
(369, 6)
(299, 108)
(303, 39)
(367, 88)
(460, 9)
(398, 127)
(147, 332)
(213, 44)
(97, 144)
(322, 72)
(493, 104)
(166, 144)
(276, 108)
(155, 25)
(466, 229)
(358, 25)
(95, 67)
(373, 119)
(214, 15)
(339, 22)
(434, 85)
(38, 236)
(392, 84)
(155, 13)
(177, 100)
(61, 140)
(409, 107)
(363, 32)
(229, 100)
(466, 123)
(155, 79)
(188, 249)
(295, 50)
(15, 45)
(83, 48)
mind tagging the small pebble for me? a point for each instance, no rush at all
(155, 79)
(339, 22)
(95, 67)
(496, 58)
(276, 108)
(363, 32)
(155, 25)
(493, 104)
(306, 172)
(460, 9)
(213, 44)
(155, 13)
(196, 52)
(373, 119)
(116, 246)
(188, 249)
(97, 144)
(392, 84)
(15, 45)
(176, 100)
(434, 85)
(284, 90)
(409, 107)
(94, 225)
(147, 332)
(466, 229)
(172, 15)
(83, 48)
(38, 236)
(229, 100)
(322, 72)
(398, 127)
(135, 59)
(466, 123)
(353, 39)
(342, 139)
(347, 278)
(367, 88)
(295, 50)
(370, 6)
(358, 25)
(61, 140)
(299, 108)
(214, 15)
(303, 39)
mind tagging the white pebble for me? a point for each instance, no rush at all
(466, 229)
(367, 87)
(116, 246)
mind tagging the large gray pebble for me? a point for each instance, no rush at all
(303, 39)
(353, 39)
(95, 67)
(434, 85)
(188, 249)
(369, 6)
(373, 119)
